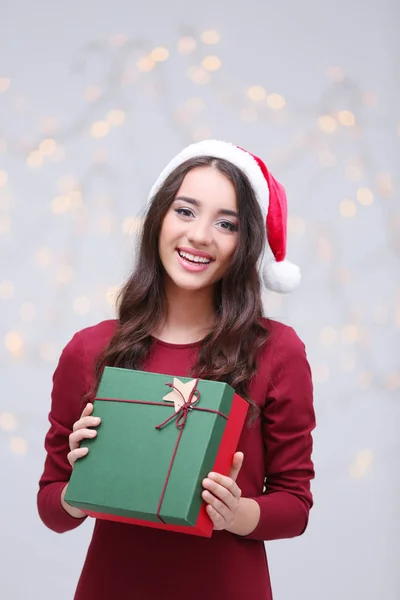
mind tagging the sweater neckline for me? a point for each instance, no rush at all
(176, 346)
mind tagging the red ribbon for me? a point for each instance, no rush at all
(181, 416)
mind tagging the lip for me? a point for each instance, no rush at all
(192, 267)
(195, 252)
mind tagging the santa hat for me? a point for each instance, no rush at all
(279, 274)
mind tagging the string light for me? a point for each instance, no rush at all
(336, 74)
(354, 170)
(324, 249)
(35, 159)
(18, 445)
(13, 342)
(119, 40)
(48, 146)
(256, 93)
(3, 178)
(8, 422)
(210, 37)
(362, 464)
(347, 208)
(4, 84)
(346, 118)
(327, 123)
(385, 185)
(198, 75)
(6, 290)
(276, 101)
(145, 64)
(365, 196)
(160, 54)
(393, 381)
(60, 205)
(64, 273)
(5, 224)
(187, 45)
(211, 63)
(349, 334)
(116, 117)
(100, 129)
(92, 93)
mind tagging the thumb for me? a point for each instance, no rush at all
(236, 465)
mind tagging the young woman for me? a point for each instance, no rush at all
(193, 307)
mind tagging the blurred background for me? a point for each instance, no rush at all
(95, 98)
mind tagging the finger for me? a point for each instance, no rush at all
(226, 482)
(228, 493)
(223, 511)
(217, 521)
(76, 437)
(86, 422)
(87, 410)
(74, 455)
(236, 465)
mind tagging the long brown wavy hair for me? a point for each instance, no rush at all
(229, 352)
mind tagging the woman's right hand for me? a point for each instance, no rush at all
(81, 432)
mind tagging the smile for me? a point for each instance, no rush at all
(194, 258)
(193, 262)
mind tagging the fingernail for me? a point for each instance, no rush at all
(96, 420)
(93, 432)
(212, 475)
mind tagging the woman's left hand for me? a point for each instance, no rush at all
(222, 495)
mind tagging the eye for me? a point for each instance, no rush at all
(184, 212)
(228, 226)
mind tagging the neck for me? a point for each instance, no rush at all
(189, 315)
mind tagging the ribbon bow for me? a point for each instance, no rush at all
(184, 396)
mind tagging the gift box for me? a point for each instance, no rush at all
(158, 439)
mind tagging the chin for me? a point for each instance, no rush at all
(189, 283)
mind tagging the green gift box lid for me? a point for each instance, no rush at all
(138, 470)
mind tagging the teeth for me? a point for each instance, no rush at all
(192, 258)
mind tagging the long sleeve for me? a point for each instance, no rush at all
(69, 388)
(287, 422)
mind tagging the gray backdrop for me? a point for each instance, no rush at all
(88, 117)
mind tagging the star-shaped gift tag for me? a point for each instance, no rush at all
(184, 388)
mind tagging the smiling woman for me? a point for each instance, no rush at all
(192, 307)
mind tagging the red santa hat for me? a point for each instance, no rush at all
(279, 274)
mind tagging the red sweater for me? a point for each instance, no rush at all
(129, 562)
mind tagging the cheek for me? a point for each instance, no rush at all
(230, 247)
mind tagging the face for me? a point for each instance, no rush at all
(199, 233)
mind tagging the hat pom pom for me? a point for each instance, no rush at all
(282, 277)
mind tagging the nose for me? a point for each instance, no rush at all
(200, 233)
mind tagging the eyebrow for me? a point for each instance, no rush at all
(194, 202)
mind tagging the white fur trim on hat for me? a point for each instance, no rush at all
(225, 150)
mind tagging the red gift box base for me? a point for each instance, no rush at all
(223, 463)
